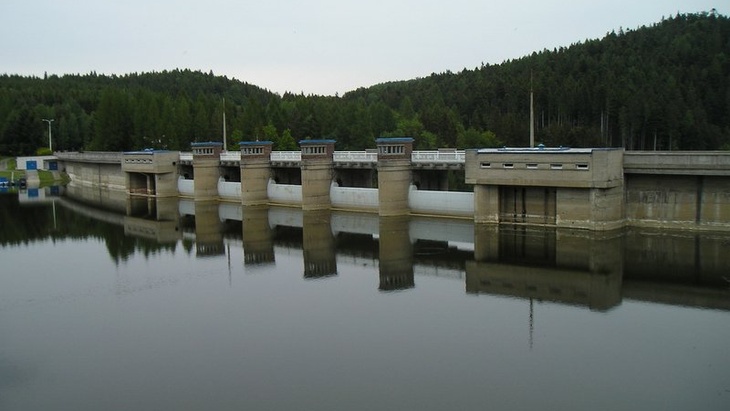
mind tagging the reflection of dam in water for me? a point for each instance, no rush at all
(570, 267)
(575, 267)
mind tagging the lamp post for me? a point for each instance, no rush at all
(50, 144)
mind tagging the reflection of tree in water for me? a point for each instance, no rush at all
(188, 246)
(21, 225)
(121, 247)
(25, 224)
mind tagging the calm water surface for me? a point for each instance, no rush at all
(189, 306)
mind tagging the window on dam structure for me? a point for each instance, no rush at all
(534, 205)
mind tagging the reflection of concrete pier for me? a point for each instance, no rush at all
(153, 218)
(396, 254)
(320, 259)
(258, 245)
(208, 233)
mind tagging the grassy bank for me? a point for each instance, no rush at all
(46, 177)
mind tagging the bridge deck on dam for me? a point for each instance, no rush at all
(644, 162)
(349, 159)
(634, 162)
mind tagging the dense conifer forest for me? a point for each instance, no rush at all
(663, 87)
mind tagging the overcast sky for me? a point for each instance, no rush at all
(314, 46)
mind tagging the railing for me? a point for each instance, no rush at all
(109, 157)
(355, 156)
(286, 156)
(186, 187)
(452, 157)
(231, 156)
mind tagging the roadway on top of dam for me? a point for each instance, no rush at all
(635, 162)
(352, 159)
(450, 159)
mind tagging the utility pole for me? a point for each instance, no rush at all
(225, 143)
(532, 116)
(50, 142)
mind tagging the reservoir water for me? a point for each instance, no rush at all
(110, 304)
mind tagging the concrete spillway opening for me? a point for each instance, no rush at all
(141, 183)
(533, 205)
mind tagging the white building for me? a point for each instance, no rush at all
(37, 163)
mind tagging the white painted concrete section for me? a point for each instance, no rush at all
(358, 223)
(284, 193)
(455, 232)
(229, 190)
(287, 217)
(352, 197)
(453, 203)
(186, 187)
(228, 211)
(186, 207)
(439, 229)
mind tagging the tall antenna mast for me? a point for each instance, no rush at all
(225, 143)
(532, 115)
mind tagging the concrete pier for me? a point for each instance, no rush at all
(206, 159)
(394, 175)
(317, 173)
(255, 171)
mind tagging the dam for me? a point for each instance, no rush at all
(597, 189)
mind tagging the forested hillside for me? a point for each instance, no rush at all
(664, 87)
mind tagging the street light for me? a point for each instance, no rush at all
(50, 144)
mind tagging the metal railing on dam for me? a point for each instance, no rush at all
(418, 157)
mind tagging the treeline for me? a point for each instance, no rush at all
(664, 87)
